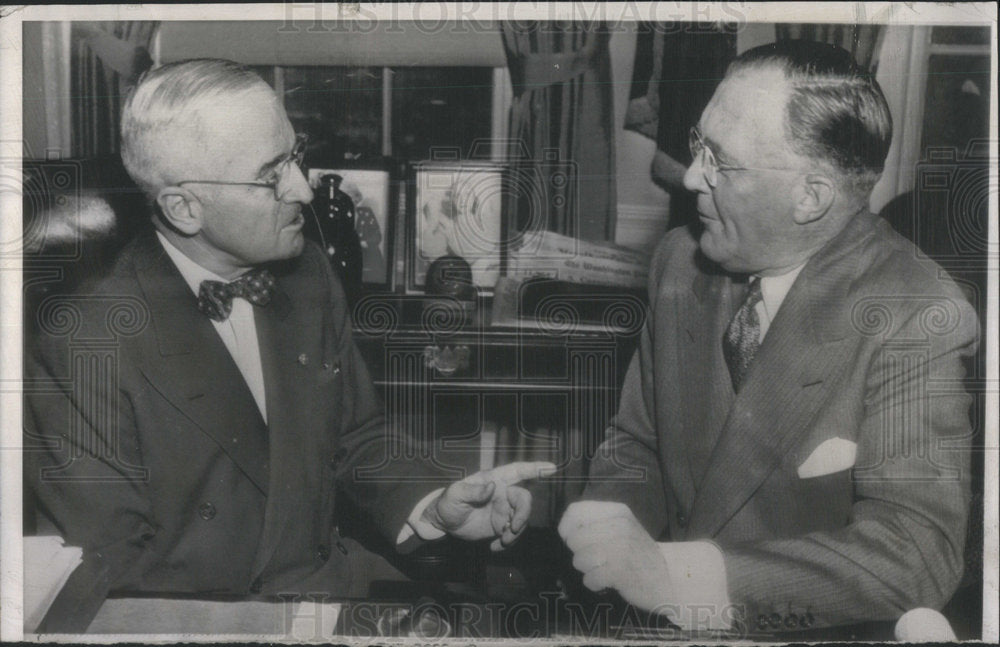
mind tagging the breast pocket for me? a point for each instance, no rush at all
(824, 502)
(832, 455)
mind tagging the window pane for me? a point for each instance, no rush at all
(957, 108)
(961, 35)
(440, 107)
(340, 108)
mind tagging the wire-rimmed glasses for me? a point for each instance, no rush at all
(278, 174)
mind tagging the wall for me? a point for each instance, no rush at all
(305, 43)
(33, 92)
(45, 100)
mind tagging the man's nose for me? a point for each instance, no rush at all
(694, 177)
(298, 186)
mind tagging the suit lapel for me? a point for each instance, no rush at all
(783, 386)
(291, 336)
(704, 378)
(191, 367)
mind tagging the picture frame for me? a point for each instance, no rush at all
(456, 208)
(371, 186)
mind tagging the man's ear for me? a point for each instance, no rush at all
(814, 196)
(181, 209)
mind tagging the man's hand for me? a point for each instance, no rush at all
(487, 504)
(612, 550)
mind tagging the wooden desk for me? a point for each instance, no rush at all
(476, 394)
(542, 390)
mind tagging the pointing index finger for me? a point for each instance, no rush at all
(513, 473)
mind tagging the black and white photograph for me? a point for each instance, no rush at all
(467, 323)
(458, 212)
(371, 196)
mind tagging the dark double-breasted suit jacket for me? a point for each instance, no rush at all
(836, 481)
(144, 444)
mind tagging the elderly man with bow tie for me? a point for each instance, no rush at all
(206, 457)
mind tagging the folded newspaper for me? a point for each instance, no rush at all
(552, 255)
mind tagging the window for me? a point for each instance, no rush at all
(403, 112)
(340, 108)
(440, 107)
(957, 103)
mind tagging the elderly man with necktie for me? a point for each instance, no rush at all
(792, 444)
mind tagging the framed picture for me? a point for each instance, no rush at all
(368, 184)
(456, 209)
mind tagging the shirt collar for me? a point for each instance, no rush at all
(774, 289)
(193, 273)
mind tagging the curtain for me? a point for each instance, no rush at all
(108, 58)
(561, 130)
(677, 68)
(862, 41)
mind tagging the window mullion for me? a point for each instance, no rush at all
(387, 112)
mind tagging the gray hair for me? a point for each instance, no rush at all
(165, 101)
(836, 112)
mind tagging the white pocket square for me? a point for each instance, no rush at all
(833, 455)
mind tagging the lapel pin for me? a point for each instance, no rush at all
(303, 359)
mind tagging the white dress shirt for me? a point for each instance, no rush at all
(239, 334)
(699, 565)
(773, 290)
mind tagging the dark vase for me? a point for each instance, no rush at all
(334, 229)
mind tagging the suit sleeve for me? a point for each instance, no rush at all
(902, 546)
(82, 465)
(384, 471)
(625, 467)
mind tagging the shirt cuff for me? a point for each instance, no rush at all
(416, 525)
(698, 569)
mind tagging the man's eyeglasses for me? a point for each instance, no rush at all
(277, 175)
(710, 166)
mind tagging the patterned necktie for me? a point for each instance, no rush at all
(742, 338)
(215, 299)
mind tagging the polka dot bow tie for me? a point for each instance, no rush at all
(215, 299)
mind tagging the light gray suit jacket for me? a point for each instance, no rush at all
(866, 353)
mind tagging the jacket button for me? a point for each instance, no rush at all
(256, 586)
(807, 620)
(323, 552)
(206, 511)
(775, 621)
(791, 621)
(762, 623)
(682, 519)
